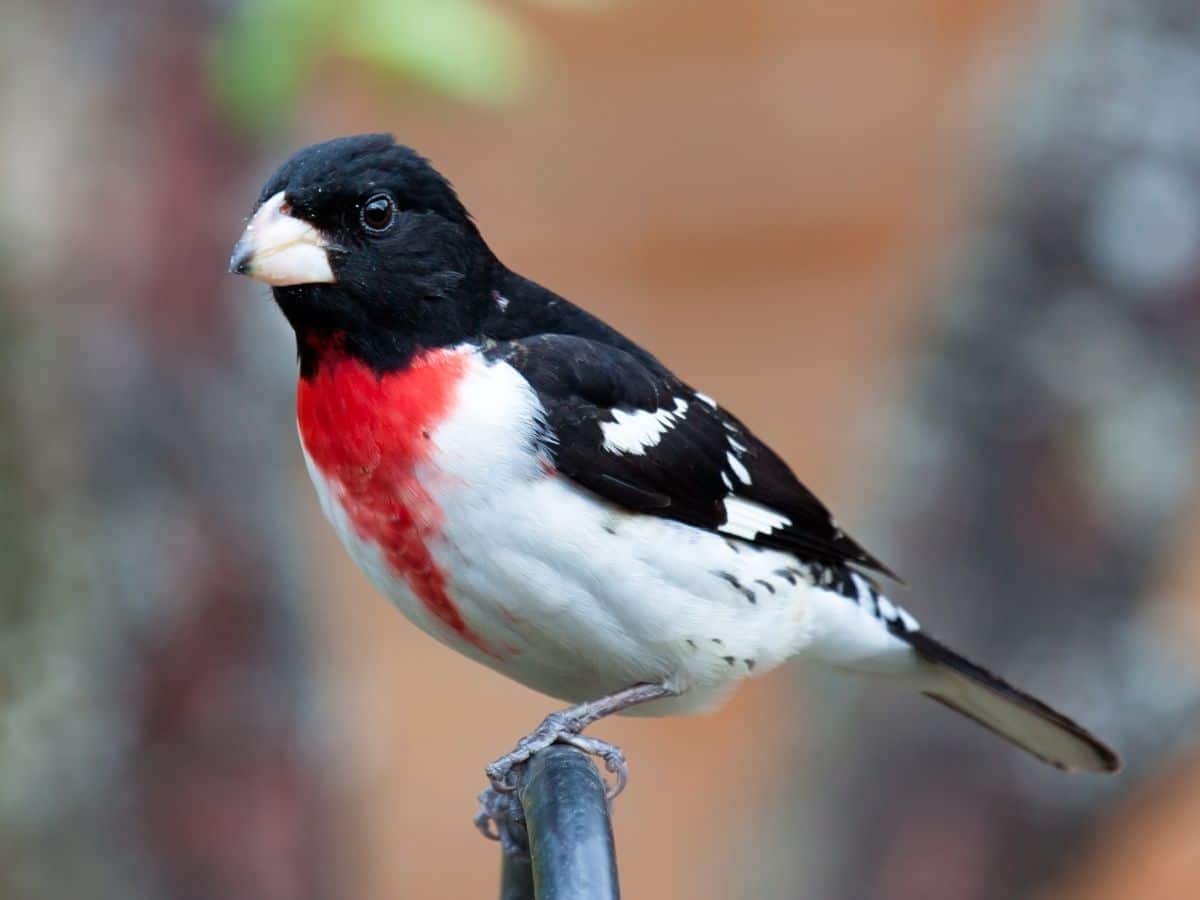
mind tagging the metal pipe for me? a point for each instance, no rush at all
(516, 877)
(571, 855)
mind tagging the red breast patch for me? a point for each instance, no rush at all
(367, 433)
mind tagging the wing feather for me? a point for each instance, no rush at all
(626, 428)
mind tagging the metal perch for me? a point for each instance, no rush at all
(561, 845)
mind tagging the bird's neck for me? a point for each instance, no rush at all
(379, 351)
(521, 308)
(385, 336)
(497, 305)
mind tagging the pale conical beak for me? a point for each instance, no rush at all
(280, 250)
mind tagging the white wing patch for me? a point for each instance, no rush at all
(884, 608)
(739, 470)
(636, 432)
(704, 398)
(890, 613)
(747, 519)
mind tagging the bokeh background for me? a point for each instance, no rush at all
(945, 255)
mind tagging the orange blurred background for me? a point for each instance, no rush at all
(769, 195)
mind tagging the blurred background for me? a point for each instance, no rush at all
(944, 255)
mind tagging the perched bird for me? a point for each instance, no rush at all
(535, 490)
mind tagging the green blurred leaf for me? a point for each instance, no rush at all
(464, 48)
(260, 61)
(575, 5)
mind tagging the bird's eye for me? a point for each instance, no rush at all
(378, 213)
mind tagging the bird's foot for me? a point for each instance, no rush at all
(562, 728)
(500, 818)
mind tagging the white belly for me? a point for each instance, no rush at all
(570, 595)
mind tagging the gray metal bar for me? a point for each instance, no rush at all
(516, 877)
(570, 834)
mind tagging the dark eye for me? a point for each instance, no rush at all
(378, 213)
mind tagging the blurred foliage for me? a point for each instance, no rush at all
(470, 50)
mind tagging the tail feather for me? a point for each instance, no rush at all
(1012, 714)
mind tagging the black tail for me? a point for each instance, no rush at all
(1014, 715)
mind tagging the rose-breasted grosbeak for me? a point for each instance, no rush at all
(535, 490)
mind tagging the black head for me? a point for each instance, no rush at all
(362, 238)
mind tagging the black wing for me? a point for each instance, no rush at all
(627, 429)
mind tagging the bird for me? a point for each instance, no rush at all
(537, 491)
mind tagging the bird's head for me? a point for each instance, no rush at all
(362, 237)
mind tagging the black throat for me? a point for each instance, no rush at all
(436, 309)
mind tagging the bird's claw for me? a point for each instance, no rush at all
(484, 823)
(500, 818)
(614, 760)
(496, 775)
(554, 727)
(561, 729)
